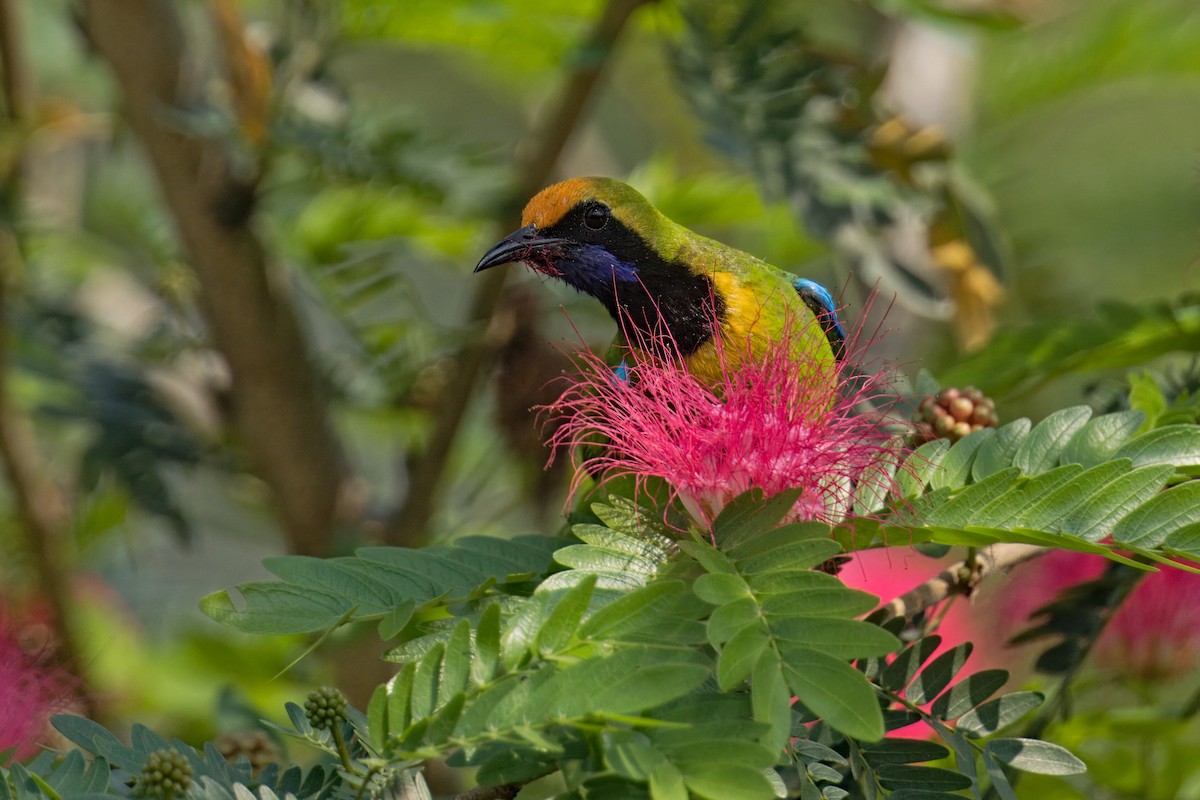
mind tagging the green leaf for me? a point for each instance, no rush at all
(799, 555)
(1058, 503)
(812, 752)
(964, 754)
(723, 751)
(559, 628)
(739, 655)
(874, 484)
(713, 560)
(619, 542)
(771, 701)
(997, 714)
(666, 783)
(520, 631)
(903, 776)
(840, 638)
(624, 515)
(997, 453)
(728, 782)
(1000, 783)
(1034, 755)
(425, 683)
(629, 681)
(394, 622)
(1000, 512)
(920, 467)
(780, 537)
(456, 663)
(278, 608)
(1096, 441)
(958, 510)
(1176, 445)
(1185, 540)
(968, 693)
(521, 555)
(399, 693)
(487, 645)
(443, 722)
(492, 709)
(1160, 516)
(937, 676)
(631, 754)
(749, 514)
(371, 596)
(514, 765)
(903, 751)
(956, 465)
(726, 621)
(1097, 516)
(377, 717)
(894, 719)
(444, 569)
(631, 612)
(904, 666)
(1146, 397)
(1041, 449)
(821, 602)
(95, 738)
(836, 692)
(590, 558)
(720, 588)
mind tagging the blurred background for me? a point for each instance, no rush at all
(238, 314)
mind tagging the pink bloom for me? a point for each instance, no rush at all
(30, 691)
(890, 572)
(1154, 634)
(771, 422)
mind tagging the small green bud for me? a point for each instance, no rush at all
(324, 707)
(165, 774)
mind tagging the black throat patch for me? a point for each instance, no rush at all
(664, 298)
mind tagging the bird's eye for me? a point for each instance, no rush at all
(596, 217)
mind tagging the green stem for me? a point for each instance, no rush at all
(342, 750)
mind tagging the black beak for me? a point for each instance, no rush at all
(517, 246)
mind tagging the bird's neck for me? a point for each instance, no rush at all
(675, 313)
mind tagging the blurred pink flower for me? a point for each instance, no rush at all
(30, 691)
(1154, 634)
(771, 422)
(890, 572)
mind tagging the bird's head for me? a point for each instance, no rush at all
(594, 234)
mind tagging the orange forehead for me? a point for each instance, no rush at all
(550, 204)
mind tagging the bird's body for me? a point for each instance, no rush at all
(666, 285)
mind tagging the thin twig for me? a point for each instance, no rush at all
(244, 294)
(962, 578)
(426, 469)
(42, 506)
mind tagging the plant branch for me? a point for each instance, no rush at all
(244, 295)
(44, 510)
(962, 578)
(426, 468)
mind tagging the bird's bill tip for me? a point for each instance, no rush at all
(520, 245)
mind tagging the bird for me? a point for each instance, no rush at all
(661, 281)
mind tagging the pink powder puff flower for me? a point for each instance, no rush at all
(1154, 634)
(30, 691)
(771, 422)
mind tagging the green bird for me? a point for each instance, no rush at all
(656, 277)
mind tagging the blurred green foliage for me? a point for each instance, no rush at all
(390, 165)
